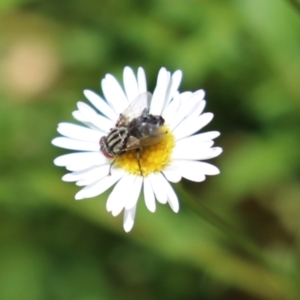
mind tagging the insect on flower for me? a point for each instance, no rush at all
(154, 142)
(136, 128)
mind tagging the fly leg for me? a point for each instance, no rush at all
(112, 163)
(138, 151)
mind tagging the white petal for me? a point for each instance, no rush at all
(78, 116)
(203, 167)
(129, 216)
(193, 176)
(134, 192)
(189, 105)
(94, 175)
(70, 158)
(172, 108)
(190, 147)
(83, 164)
(71, 144)
(159, 94)
(96, 171)
(193, 141)
(149, 195)
(177, 116)
(74, 176)
(172, 197)
(158, 187)
(196, 153)
(86, 111)
(142, 83)
(185, 96)
(172, 174)
(78, 132)
(101, 105)
(114, 94)
(99, 186)
(200, 93)
(207, 136)
(174, 85)
(190, 173)
(208, 169)
(90, 115)
(190, 126)
(211, 153)
(125, 194)
(130, 84)
(117, 198)
(197, 111)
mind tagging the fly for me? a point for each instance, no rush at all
(136, 128)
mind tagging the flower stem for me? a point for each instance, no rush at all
(233, 234)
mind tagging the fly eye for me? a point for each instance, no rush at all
(104, 149)
(101, 142)
(106, 154)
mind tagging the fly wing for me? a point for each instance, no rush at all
(135, 109)
(156, 136)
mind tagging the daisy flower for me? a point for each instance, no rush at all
(180, 153)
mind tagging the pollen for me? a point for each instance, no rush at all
(152, 158)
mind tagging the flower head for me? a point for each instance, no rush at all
(142, 147)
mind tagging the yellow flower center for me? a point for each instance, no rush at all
(153, 158)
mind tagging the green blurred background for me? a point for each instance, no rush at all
(236, 235)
